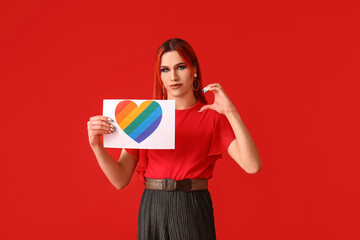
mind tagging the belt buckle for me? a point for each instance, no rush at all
(184, 185)
(169, 184)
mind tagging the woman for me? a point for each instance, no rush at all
(176, 203)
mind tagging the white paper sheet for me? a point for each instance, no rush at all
(140, 124)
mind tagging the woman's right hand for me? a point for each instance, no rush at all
(97, 126)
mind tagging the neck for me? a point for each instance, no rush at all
(184, 103)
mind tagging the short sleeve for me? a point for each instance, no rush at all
(222, 136)
(133, 152)
(141, 156)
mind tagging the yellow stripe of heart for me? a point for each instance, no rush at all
(134, 114)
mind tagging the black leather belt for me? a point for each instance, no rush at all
(167, 184)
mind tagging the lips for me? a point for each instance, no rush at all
(174, 86)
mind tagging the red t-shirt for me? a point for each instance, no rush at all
(200, 140)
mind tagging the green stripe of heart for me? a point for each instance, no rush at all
(141, 118)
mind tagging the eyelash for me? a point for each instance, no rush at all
(162, 70)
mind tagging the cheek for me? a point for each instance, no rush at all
(186, 76)
(163, 78)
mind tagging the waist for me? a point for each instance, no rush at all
(167, 184)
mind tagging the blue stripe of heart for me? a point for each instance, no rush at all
(146, 123)
(149, 130)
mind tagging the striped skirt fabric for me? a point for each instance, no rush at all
(176, 215)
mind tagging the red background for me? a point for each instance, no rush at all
(290, 67)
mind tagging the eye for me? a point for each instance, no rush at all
(182, 67)
(163, 70)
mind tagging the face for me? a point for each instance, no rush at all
(176, 76)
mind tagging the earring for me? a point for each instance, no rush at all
(198, 84)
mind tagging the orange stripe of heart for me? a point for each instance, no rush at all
(121, 106)
(126, 111)
(134, 114)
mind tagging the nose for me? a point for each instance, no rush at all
(174, 76)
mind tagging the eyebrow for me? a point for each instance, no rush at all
(175, 64)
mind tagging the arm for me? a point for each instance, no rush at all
(243, 149)
(119, 173)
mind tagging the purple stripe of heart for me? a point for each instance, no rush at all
(149, 130)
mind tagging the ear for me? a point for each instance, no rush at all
(195, 69)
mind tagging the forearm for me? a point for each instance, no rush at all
(112, 169)
(248, 156)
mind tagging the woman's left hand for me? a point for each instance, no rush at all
(222, 103)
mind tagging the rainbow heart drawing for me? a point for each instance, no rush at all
(138, 122)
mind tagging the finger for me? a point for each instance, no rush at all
(103, 118)
(102, 127)
(96, 125)
(206, 107)
(211, 87)
(100, 132)
(206, 88)
(99, 122)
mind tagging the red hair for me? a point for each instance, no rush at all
(188, 55)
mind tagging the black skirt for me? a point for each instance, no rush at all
(176, 215)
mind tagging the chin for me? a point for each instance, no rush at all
(178, 92)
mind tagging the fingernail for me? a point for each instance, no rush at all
(112, 126)
(110, 120)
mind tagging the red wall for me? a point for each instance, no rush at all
(290, 67)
